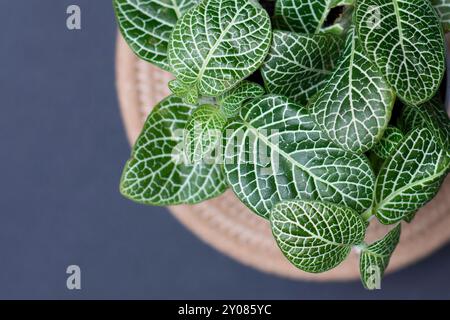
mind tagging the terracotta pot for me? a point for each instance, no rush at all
(227, 225)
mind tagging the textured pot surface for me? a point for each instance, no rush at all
(227, 225)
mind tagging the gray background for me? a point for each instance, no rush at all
(62, 150)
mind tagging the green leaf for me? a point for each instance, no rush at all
(304, 16)
(410, 217)
(146, 26)
(375, 161)
(275, 152)
(189, 95)
(404, 38)
(232, 100)
(431, 115)
(219, 43)
(298, 65)
(374, 258)
(158, 172)
(355, 106)
(388, 143)
(336, 29)
(204, 132)
(443, 9)
(316, 236)
(410, 177)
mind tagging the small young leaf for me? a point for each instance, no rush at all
(158, 172)
(232, 100)
(443, 9)
(388, 143)
(410, 177)
(316, 236)
(275, 152)
(431, 115)
(298, 65)
(404, 38)
(146, 26)
(374, 258)
(219, 43)
(203, 132)
(189, 95)
(355, 106)
(304, 16)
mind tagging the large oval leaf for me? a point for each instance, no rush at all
(218, 43)
(355, 105)
(299, 65)
(146, 26)
(405, 40)
(316, 236)
(304, 16)
(410, 177)
(158, 172)
(275, 151)
(374, 258)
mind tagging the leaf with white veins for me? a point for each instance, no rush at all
(219, 43)
(158, 173)
(374, 258)
(355, 106)
(299, 65)
(431, 115)
(404, 39)
(231, 101)
(203, 132)
(388, 143)
(304, 16)
(146, 26)
(443, 9)
(316, 236)
(410, 177)
(275, 152)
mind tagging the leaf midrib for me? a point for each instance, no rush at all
(314, 236)
(323, 17)
(399, 23)
(311, 233)
(216, 45)
(176, 9)
(288, 156)
(401, 37)
(377, 255)
(350, 86)
(408, 186)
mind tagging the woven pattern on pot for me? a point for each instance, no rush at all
(227, 225)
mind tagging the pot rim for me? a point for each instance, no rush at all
(222, 222)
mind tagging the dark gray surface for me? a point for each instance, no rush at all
(62, 151)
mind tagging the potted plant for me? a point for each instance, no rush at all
(319, 116)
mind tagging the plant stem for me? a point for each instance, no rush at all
(367, 214)
(360, 247)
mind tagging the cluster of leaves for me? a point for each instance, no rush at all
(291, 104)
